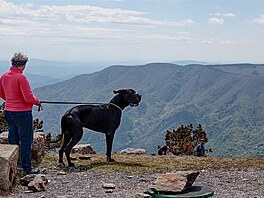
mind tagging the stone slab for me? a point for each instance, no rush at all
(9, 155)
(175, 182)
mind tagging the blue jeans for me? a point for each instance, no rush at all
(20, 132)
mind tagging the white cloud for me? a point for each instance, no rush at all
(214, 41)
(81, 14)
(229, 42)
(216, 21)
(178, 36)
(259, 20)
(187, 22)
(75, 23)
(228, 14)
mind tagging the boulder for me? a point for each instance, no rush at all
(38, 147)
(83, 149)
(133, 151)
(179, 181)
(8, 165)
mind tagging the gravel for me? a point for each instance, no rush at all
(230, 184)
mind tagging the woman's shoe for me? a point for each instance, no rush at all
(33, 171)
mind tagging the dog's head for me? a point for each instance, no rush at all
(129, 97)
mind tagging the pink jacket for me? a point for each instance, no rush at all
(16, 91)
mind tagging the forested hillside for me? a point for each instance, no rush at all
(228, 100)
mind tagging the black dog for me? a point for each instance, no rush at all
(103, 118)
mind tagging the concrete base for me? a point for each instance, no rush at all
(9, 155)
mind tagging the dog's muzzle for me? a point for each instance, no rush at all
(137, 101)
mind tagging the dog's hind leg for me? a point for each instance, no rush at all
(67, 138)
(75, 139)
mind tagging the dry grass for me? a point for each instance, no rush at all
(156, 164)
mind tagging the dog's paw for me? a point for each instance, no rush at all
(71, 164)
(111, 160)
(61, 165)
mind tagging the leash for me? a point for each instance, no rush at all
(86, 103)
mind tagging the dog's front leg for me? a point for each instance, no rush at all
(109, 136)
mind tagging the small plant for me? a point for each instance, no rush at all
(38, 125)
(3, 123)
(183, 140)
(53, 142)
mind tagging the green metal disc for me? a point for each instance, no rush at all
(194, 192)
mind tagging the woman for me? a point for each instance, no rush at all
(19, 100)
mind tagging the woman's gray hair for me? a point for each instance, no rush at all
(19, 59)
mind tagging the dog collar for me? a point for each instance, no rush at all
(115, 106)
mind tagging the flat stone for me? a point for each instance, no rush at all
(175, 182)
(133, 151)
(61, 173)
(109, 186)
(38, 183)
(142, 195)
(9, 155)
(24, 181)
(28, 191)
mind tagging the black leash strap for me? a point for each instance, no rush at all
(61, 102)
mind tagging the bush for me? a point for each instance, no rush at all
(183, 140)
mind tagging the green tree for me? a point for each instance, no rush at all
(183, 140)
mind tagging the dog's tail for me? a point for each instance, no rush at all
(57, 139)
(63, 124)
(63, 128)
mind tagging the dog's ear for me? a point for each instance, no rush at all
(121, 91)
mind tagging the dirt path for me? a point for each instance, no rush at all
(76, 184)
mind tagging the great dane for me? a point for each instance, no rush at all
(103, 118)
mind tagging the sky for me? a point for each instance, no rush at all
(133, 30)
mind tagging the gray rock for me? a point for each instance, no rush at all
(38, 183)
(83, 149)
(175, 182)
(133, 151)
(43, 171)
(24, 181)
(61, 173)
(109, 186)
(143, 195)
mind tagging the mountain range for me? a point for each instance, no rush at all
(228, 100)
(44, 72)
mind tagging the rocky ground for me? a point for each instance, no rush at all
(76, 183)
